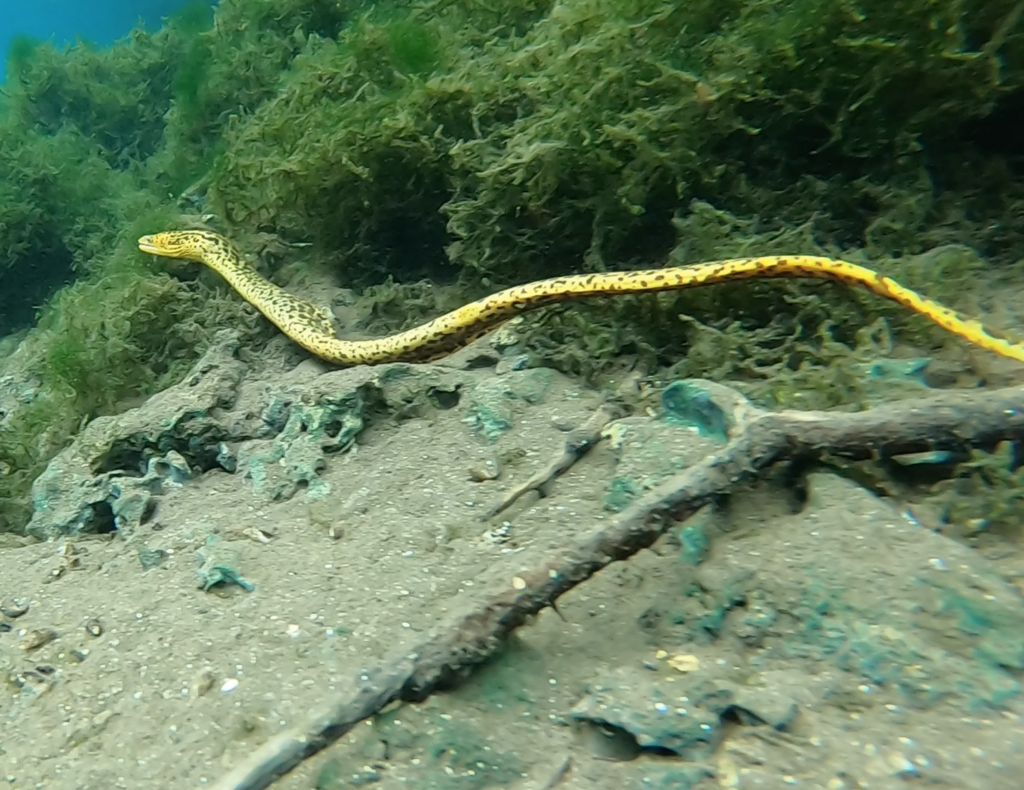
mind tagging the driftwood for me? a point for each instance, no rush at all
(758, 439)
(577, 444)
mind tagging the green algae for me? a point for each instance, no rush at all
(984, 494)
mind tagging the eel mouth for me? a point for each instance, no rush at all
(146, 245)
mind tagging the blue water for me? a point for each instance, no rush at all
(64, 21)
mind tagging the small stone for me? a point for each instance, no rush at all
(201, 683)
(102, 717)
(488, 470)
(900, 765)
(564, 424)
(728, 776)
(14, 607)
(151, 558)
(257, 534)
(684, 662)
(35, 639)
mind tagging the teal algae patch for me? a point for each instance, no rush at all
(296, 456)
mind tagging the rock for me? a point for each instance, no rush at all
(105, 479)
(681, 718)
(110, 477)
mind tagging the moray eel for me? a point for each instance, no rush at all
(312, 328)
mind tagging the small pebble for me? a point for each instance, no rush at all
(14, 607)
(564, 424)
(900, 765)
(33, 640)
(684, 662)
(202, 682)
(488, 470)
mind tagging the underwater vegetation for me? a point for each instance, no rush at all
(481, 145)
(985, 496)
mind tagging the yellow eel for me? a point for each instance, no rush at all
(312, 328)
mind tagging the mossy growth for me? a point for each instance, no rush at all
(573, 143)
(982, 498)
(114, 97)
(91, 141)
(187, 153)
(57, 205)
(349, 86)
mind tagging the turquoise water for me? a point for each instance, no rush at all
(65, 21)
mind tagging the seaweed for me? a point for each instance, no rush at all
(983, 495)
(350, 87)
(571, 144)
(115, 97)
(21, 52)
(187, 158)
